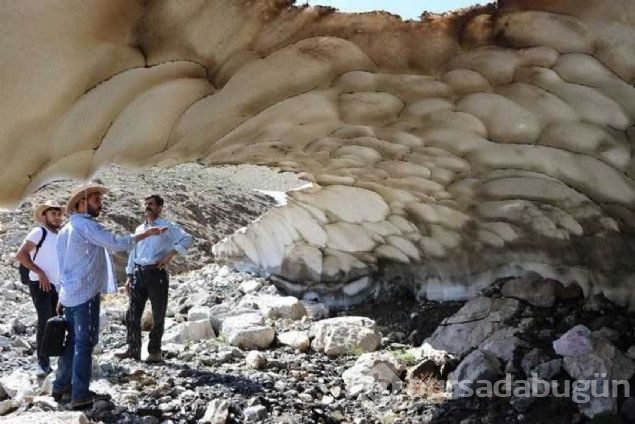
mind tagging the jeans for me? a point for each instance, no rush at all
(75, 364)
(147, 284)
(45, 303)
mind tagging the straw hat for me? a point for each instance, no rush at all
(39, 210)
(81, 192)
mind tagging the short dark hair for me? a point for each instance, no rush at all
(157, 199)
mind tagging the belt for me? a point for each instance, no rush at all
(146, 267)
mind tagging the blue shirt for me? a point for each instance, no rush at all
(151, 250)
(84, 262)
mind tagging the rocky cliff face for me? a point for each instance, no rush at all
(444, 153)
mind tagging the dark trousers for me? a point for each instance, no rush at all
(45, 304)
(147, 284)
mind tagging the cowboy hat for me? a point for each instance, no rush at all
(39, 210)
(82, 192)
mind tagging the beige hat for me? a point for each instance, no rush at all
(39, 210)
(82, 191)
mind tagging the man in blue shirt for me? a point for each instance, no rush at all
(85, 271)
(148, 279)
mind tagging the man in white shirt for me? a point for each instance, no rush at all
(38, 254)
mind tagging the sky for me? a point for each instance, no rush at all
(408, 9)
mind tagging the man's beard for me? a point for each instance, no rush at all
(52, 226)
(93, 212)
(149, 213)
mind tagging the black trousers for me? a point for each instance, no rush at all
(147, 284)
(45, 304)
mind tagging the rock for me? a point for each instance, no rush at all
(607, 333)
(17, 384)
(628, 411)
(427, 378)
(575, 342)
(571, 292)
(8, 405)
(372, 369)
(20, 343)
(532, 359)
(247, 331)
(190, 331)
(336, 391)
(250, 286)
(345, 335)
(601, 365)
(547, 370)
(255, 360)
(48, 418)
(535, 291)
(476, 366)
(147, 320)
(218, 314)
(315, 310)
(597, 303)
(522, 403)
(104, 321)
(295, 339)
(217, 412)
(18, 327)
(472, 324)
(502, 344)
(255, 413)
(284, 307)
(5, 343)
(198, 313)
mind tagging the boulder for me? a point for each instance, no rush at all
(17, 385)
(345, 335)
(198, 313)
(503, 344)
(472, 324)
(48, 418)
(8, 405)
(255, 360)
(218, 314)
(575, 342)
(535, 291)
(547, 370)
(271, 306)
(295, 339)
(147, 320)
(315, 310)
(217, 412)
(255, 413)
(247, 331)
(599, 364)
(250, 286)
(372, 369)
(532, 359)
(477, 367)
(190, 331)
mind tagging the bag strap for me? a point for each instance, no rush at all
(39, 245)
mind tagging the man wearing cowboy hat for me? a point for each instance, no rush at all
(85, 272)
(39, 256)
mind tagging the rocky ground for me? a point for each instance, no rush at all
(237, 350)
